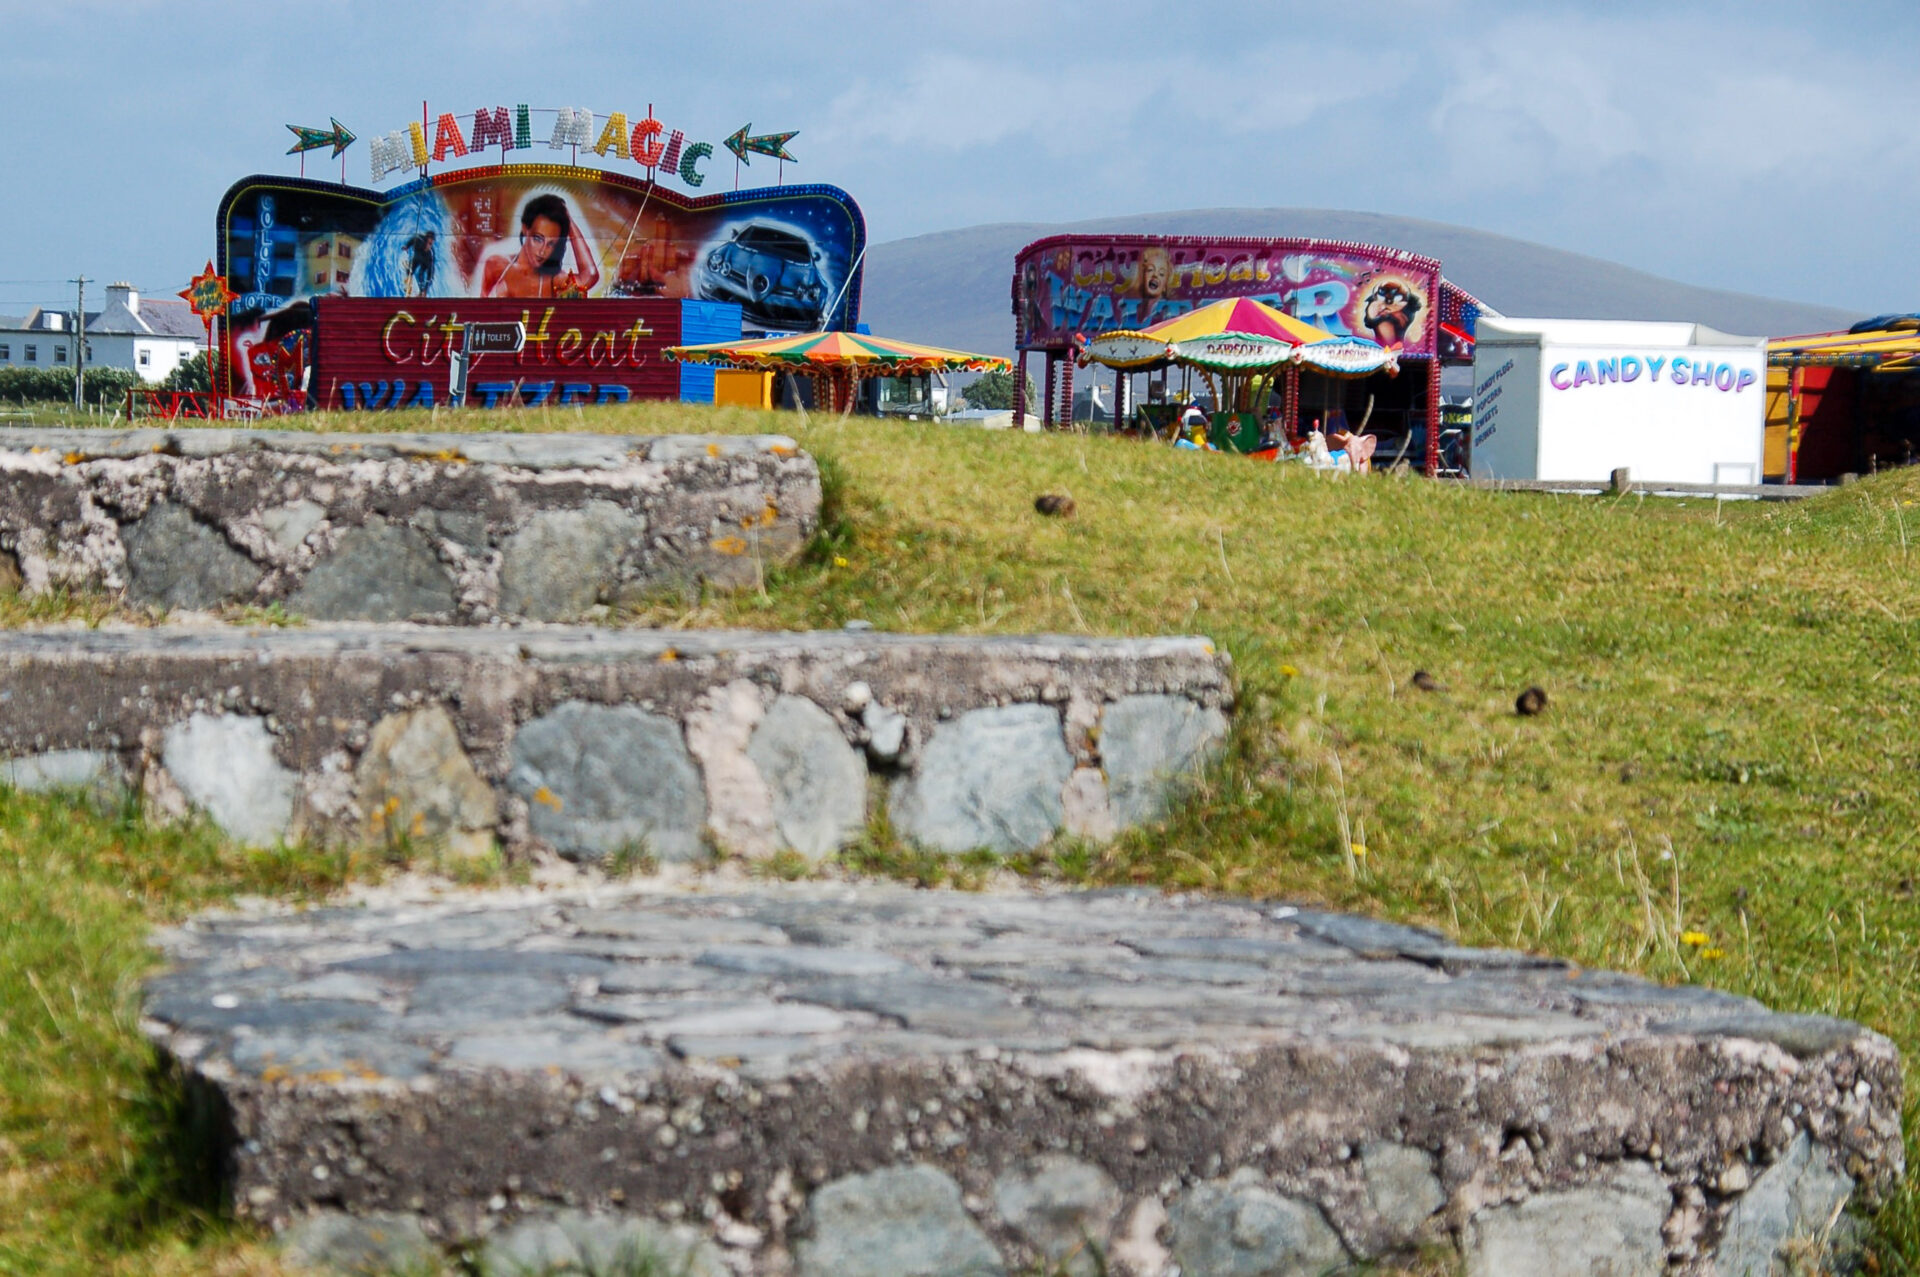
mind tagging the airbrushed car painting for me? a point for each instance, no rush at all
(774, 274)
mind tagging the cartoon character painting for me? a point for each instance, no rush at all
(1389, 312)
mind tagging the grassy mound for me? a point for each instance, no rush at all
(1721, 788)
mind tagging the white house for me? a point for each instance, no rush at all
(151, 338)
(1575, 399)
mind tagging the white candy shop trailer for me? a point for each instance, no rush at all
(1577, 399)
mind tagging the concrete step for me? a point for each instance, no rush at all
(593, 742)
(447, 528)
(864, 1080)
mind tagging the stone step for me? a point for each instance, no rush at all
(861, 1081)
(446, 528)
(592, 742)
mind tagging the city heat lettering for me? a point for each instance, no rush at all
(633, 336)
(537, 339)
(575, 392)
(386, 338)
(567, 353)
(603, 351)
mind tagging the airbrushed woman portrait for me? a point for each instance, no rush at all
(531, 265)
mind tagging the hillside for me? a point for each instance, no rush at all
(951, 288)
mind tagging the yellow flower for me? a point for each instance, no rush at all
(1359, 850)
(839, 562)
(1289, 671)
(1694, 938)
(1712, 955)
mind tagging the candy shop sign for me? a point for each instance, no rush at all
(641, 140)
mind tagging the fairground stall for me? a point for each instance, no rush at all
(1840, 403)
(835, 363)
(1242, 350)
(559, 219)
(1070, 289)
(1576, 399)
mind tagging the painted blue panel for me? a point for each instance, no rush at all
(702, 322)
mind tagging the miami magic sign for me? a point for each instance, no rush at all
(639, 139)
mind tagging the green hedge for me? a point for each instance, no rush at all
(105, 386)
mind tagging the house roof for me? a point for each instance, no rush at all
(154, 318)
(168, 319)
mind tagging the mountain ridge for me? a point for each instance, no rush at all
(952, 288)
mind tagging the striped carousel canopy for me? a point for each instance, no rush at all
(815, 353)
(1238, 334)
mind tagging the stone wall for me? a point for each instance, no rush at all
(441, 528)
(822, 1080)
(591, 742)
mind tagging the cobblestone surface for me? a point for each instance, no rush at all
(804, 1074)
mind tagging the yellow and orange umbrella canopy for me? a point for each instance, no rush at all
(812, 354)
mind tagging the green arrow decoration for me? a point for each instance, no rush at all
(773, 145)
(339, 137)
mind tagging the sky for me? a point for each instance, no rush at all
(1756, 146)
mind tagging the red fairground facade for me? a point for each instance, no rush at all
(1068, 289)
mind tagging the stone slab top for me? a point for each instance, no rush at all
(532, 642)
(773, 980)
(521, 451)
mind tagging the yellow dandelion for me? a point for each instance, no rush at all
(839, 562)
(1359, 850)
(1694, 938)
(1289, 671)
(1712, 955)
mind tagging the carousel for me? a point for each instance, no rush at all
(1244, 351)
(835, 362)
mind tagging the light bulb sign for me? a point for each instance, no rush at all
(612, 138)
(539, 235)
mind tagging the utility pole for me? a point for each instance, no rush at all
(80, 344)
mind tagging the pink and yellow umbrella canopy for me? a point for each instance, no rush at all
(1234, 332)
(1242, 315)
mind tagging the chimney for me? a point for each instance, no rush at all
(123, 293)
(56, 322)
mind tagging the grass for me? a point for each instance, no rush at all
(1721, 790)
